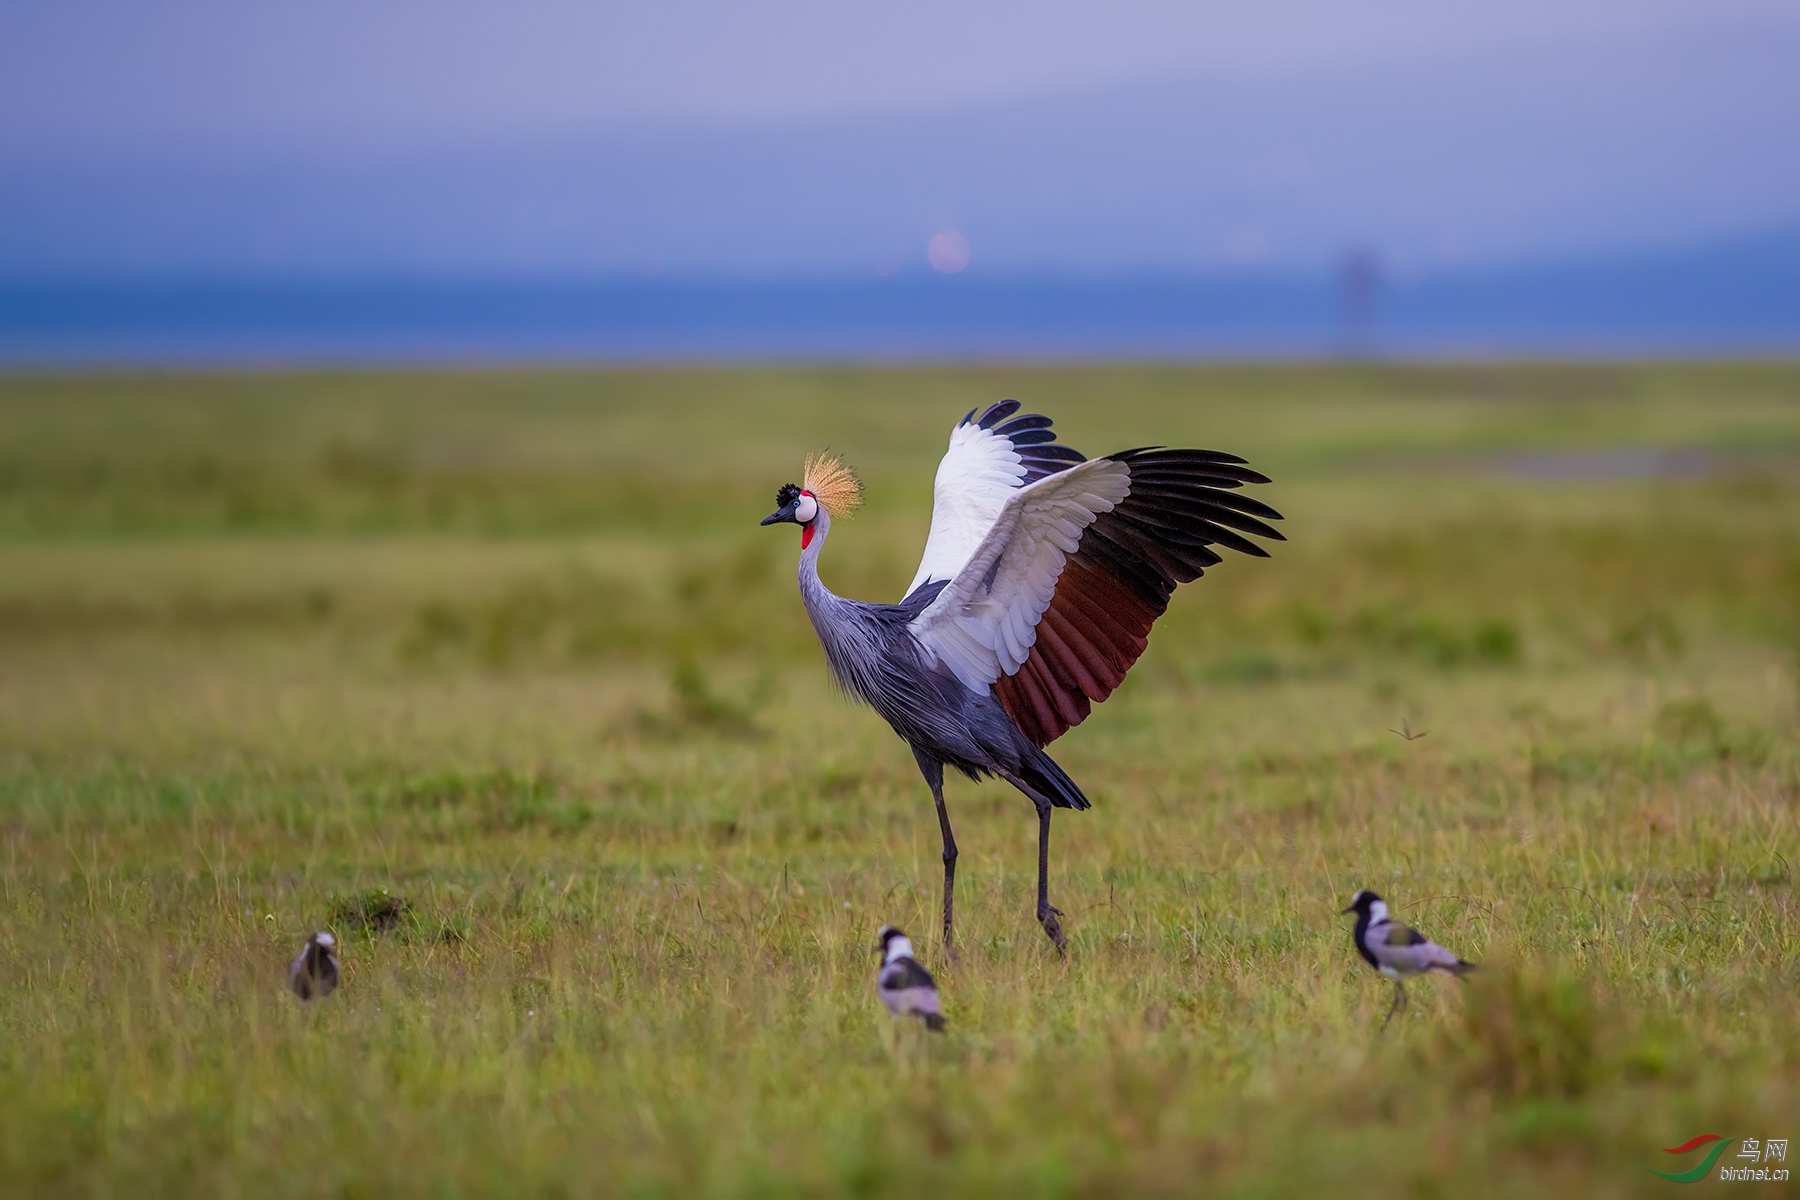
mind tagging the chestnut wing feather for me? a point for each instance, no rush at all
(1118, 581)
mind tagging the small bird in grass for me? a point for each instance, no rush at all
(906, 989)
(314, 973)
(1397, 951)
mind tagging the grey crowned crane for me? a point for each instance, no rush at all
(1042, 575)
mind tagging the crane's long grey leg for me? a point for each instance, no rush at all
(1046, 915)
(934, 776)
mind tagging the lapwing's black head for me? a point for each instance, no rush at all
(1361, 903)
(885, 938)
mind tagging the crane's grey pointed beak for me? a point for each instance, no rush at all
(784, 513)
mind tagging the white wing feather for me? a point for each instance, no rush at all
(984, 623)
(978, 473)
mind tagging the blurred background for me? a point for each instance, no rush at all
(446, 621)
(200, 181)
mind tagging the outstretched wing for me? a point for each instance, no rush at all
(1056, 602)
(989, 459)
(982, 624)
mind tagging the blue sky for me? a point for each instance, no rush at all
(835, 140)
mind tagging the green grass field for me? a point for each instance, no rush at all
(495, 675)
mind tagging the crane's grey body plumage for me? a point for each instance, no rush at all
(875, 659)
(1041, 577)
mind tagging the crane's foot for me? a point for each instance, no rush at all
(1053, 929)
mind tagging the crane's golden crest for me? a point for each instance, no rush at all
(834, 484)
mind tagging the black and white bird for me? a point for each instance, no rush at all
(906, 989)
(1397, 951)
(314, 973)
(1042, 575)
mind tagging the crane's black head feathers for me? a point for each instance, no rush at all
(786, 500)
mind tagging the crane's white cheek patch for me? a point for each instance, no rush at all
(806, 509)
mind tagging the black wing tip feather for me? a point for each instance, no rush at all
(1189, 494)
(1031, 436)
(1184, 454)
(1206, 472)
(1230, 466)
(998, 412)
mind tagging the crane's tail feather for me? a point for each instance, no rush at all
(1042, 773)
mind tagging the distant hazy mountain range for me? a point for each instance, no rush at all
(1637, 196)
(1740, 297)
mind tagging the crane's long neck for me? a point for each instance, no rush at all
(835, 619)
(821, 602)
